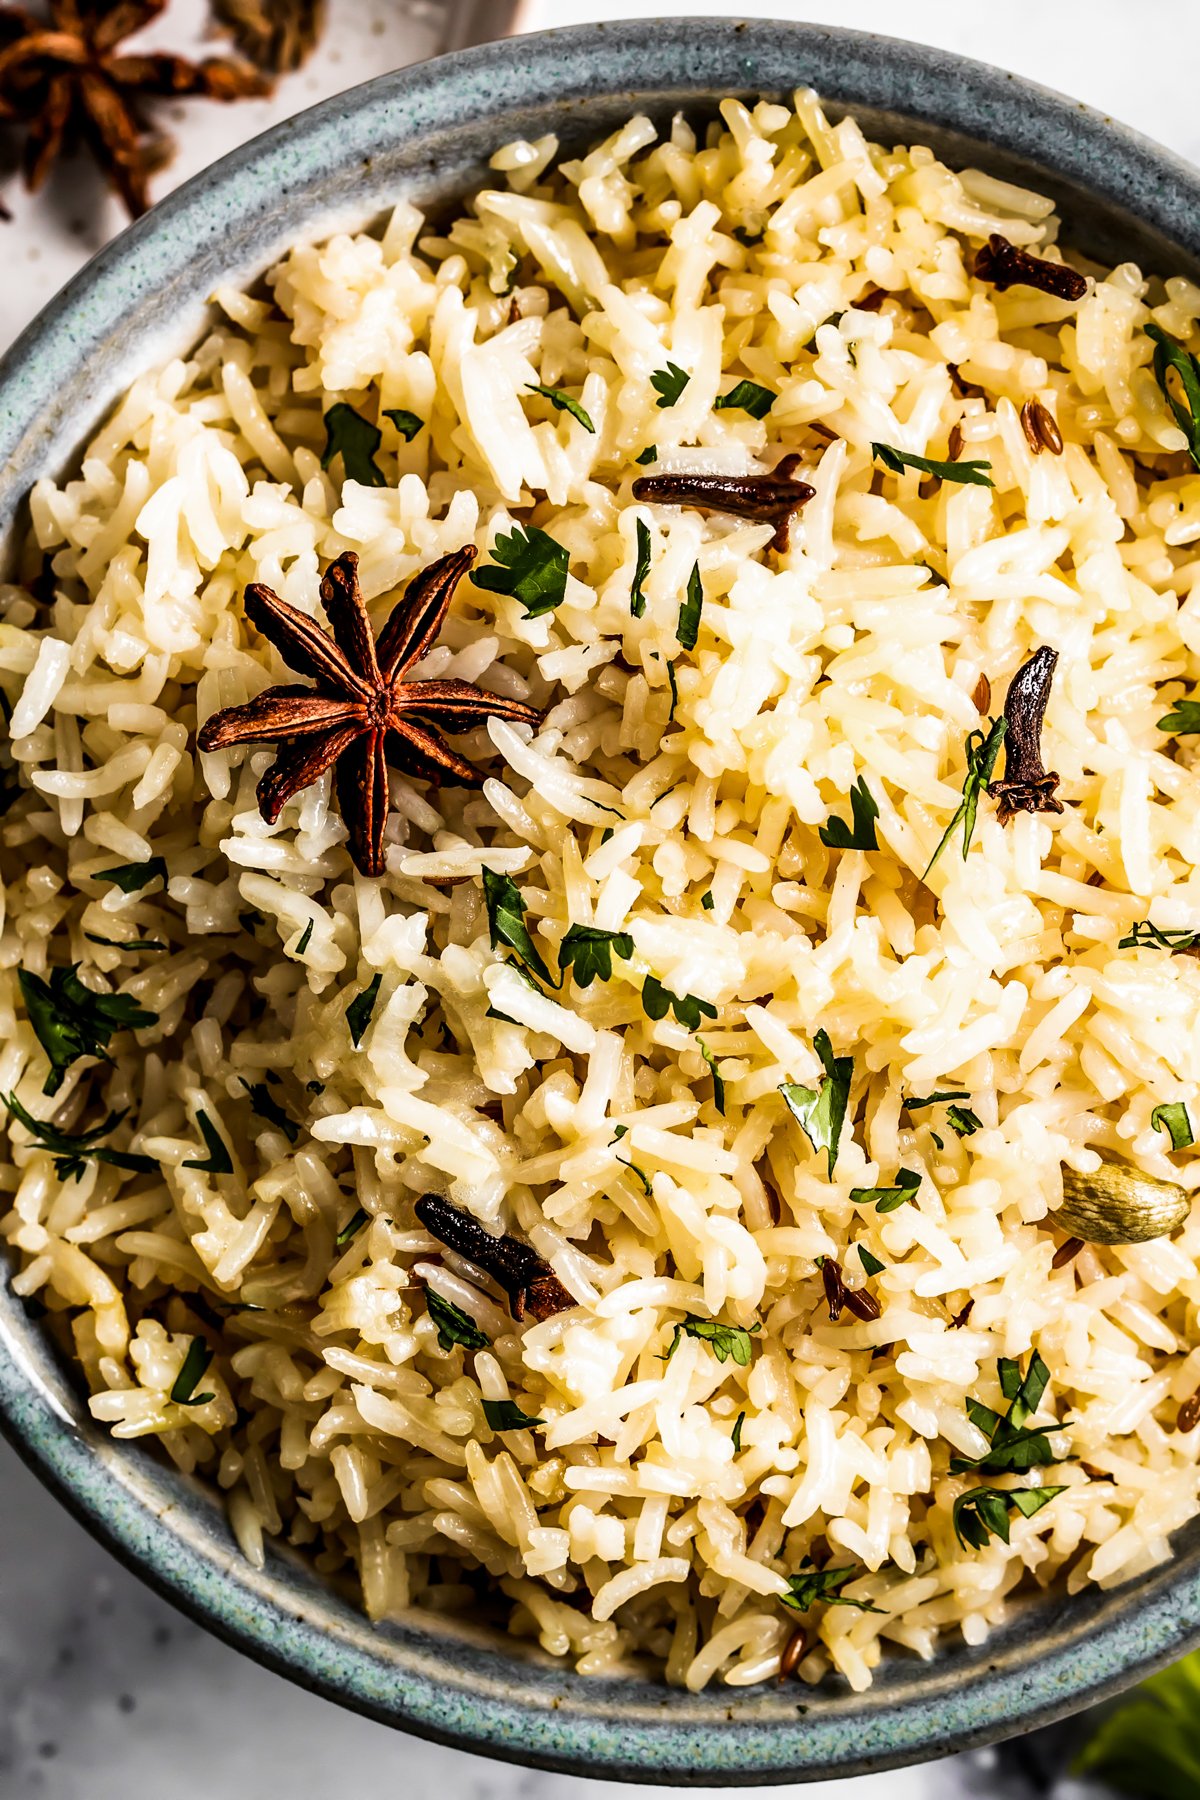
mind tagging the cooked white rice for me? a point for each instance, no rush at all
(629, 1524)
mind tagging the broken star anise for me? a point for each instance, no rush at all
(362, 714)
(64, 79)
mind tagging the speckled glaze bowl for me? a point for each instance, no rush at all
(427, 132)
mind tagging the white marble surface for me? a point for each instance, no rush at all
(105, 1692)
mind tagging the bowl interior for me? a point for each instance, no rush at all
(427, 134)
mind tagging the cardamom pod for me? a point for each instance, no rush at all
(1117, 1204)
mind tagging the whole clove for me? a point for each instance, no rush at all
(1004, 266)
(1027, 785)
(528, 1280)
(771, 498)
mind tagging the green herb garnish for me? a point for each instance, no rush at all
(688, 628)
(983, 1512)
(1147, 1745)
(94, 937)
(1183, 718)
(820, 1111)
(637, 597)
(506, 1415)
(975, 474)
(726, 1341)
(714, 1068)
(70, 1020)
(824, 1585)
(1145, 936)
(72, 1150)
(623, 1131)
(887, 1199)
(1173, 1119)
(453, 1325)
(860, 834)
(588, 951)
(406, 423)
(562, 403)
(183, 1388)
(218, 1161)
(668, 384)
(982, 750)
(529, 567)
(657, 1001)
(264, 1103)
(358, 1013)
(1013, 1449)
(647, 456)
(735, 1436)
(1170, 354)
(132, 877)
(962, 1121)
(707, 901)
(748, 397)
(911, 1105)
(355, 440)
(674, 687)
(506, 923)
(871, 1264)
(305, 939)
(354, 1224)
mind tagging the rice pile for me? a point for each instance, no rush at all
(661, 1508)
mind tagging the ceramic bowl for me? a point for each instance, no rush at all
(427, 132)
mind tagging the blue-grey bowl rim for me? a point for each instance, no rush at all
(1059, 1654)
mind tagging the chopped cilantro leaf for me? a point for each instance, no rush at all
(748, 397)
(669, 384)
(407, 423)
(218, 1161)
(973, 473)
(132, 877)
(860, 834)
(506, 923)
(264, 1103)
(588, 951)
(657, 1001)
(72, 1150)
(453, 1325)
(821, 1111)
(360, 1009)
(982, 751)
(70, 1020)
(637, 597)
(530, 567)
(887, 1199)
(183, 1389)
(688, 628)
(562, 402)
(355, 440)
(506, 1415)
(1174, 1120)
(726, 1341)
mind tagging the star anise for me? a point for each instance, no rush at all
(275, 34)
(362, 714)
(64, 79)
